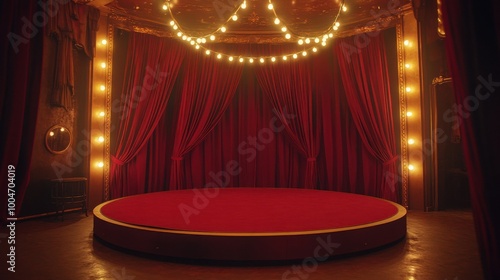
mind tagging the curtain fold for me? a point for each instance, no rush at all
(366, 81)
(20, 84)
(473, 53)
(151, 71)
(71, 25)
(289, 88)
(208, 87)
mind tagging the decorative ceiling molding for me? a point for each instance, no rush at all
(122, 19)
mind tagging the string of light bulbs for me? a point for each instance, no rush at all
(310, 44)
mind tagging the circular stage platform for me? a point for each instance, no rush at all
(249, 224)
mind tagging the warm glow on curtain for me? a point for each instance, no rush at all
(289, 88)
(151, 71)
(366, 81)
(208, 87)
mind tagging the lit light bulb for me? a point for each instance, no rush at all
(294, 56)
(276, 21)
(212, 37)
(408, 89)
(323, 44)
(197, 47)
(304, 53)
(103, 65)
(100, 164)
(407, 65)
(102, 114)
(315, 49)
(261, 60)
(409, 114)
(411, 167)
(241, 59)
(219, 56)
(102, 87)
(164, 7)
(100, 139)
(179, 34)
(175, 27)
(273, 59)
(270, 6)
(172, 23)
(307, 41)
(184, 37)
(283, 29)
(316, 40)
(251, 60)
(288, 36)
(344, 8)
(230, 58)
(207, 52)
(234, 17)
(244, 5)
(406, 42)
(203, 40)
(411, 141)
(104, 41)
(284, 57)
(51, 133)
(301, 42)
(62, 129)
(223, 29)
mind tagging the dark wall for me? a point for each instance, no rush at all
(74, 161)
(445, 176)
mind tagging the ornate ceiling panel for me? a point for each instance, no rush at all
(302, 17)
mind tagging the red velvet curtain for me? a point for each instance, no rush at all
(21, 54)
(473, 52)
(366, 81)
(344, 164)
(244, 142)
(71, 25)
(208, 87)
(289, 87)
(152, 67)
(251, 137)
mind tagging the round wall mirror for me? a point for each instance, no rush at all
(58, 139)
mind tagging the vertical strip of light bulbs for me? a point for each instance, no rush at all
(408, 67)
(98, 113)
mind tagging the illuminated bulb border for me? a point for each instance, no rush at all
(257, 59)
(174, 24)
(328, 34)
(313, 43)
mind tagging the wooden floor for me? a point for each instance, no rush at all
(439, 245)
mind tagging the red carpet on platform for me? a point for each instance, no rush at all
(249, 223)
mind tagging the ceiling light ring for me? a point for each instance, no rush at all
(220, 29)
(297, 37)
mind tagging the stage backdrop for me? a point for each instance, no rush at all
(324, 122)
